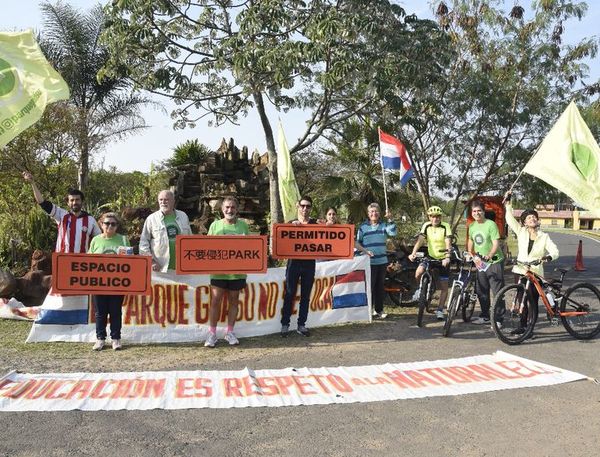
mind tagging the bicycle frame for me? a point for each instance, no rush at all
(542, 286)
(463, 278)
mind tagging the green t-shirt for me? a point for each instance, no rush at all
(436, 238)
(172, 231)
(101, 245)
(221, 227)
(482, 236)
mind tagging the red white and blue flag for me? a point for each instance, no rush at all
(349, 290)
(395, 157)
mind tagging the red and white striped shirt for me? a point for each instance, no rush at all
(74, 232)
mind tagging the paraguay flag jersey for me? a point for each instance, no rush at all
(74, 233)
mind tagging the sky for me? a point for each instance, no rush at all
(157, 142)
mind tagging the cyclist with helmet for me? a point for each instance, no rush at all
(438, 236)
(533, 244)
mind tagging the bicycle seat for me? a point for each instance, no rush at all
(562, 270)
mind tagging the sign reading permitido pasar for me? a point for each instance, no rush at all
(313, 241)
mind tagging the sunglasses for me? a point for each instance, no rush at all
(305, 206)
(110, 224)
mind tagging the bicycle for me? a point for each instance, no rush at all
(515, 314)
(400, 284)
(426, 285)
(462, 294)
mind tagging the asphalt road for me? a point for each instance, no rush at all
(561, 420)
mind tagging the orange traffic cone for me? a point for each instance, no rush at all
(579, 258)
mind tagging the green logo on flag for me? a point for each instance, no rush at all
(583, 158)
(7, 78)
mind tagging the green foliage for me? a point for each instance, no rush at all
(508, 79)
(101, 111)
(330, 59)
(190, 152)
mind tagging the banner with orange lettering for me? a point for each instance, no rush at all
(284, 387)
(177, 308)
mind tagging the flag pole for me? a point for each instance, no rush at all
(382, 172)
(521, 172)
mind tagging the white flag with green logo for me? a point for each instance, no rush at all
(288, 189)
(27, 84)
(569, 160)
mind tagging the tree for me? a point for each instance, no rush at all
(102, 110)
(510, 77)
(221, 59)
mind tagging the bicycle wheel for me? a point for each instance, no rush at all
(455, 303)
(400, 287)
(423, 298)
(513, 318)
(468, 303)
(584, 299)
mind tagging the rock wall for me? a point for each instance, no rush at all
(200, 187)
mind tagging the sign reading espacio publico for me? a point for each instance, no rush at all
(105, 274)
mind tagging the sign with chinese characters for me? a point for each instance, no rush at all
(230, 254)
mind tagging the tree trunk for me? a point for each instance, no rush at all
(84, 153)
(275, 204)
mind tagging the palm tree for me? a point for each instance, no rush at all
(104, 110)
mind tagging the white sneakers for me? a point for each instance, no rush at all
(231, 339)
(439, 314)
(99, 345)
(211, 340)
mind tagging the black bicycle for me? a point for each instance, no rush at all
(426, 285)
(462, 295)
(400, 283)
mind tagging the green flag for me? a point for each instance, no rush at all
(27, 84)
(569, 160)
(288, 189)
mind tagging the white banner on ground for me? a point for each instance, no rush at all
(177, 310)
(285, 387)
(14, 309)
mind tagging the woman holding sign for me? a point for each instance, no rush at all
(109, 242)
(227, 284)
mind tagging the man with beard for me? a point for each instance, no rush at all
(226, 284)
(160, 230)
(76, 228)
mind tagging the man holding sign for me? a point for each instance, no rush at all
(222, 284)
(298, 270)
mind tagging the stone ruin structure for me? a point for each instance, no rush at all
(200, 187)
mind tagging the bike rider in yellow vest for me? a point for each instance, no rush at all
(438, 236)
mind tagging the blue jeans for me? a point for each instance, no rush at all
(302, 271)
(105, 305)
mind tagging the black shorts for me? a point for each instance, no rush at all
(228, 284)
(443, 273)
